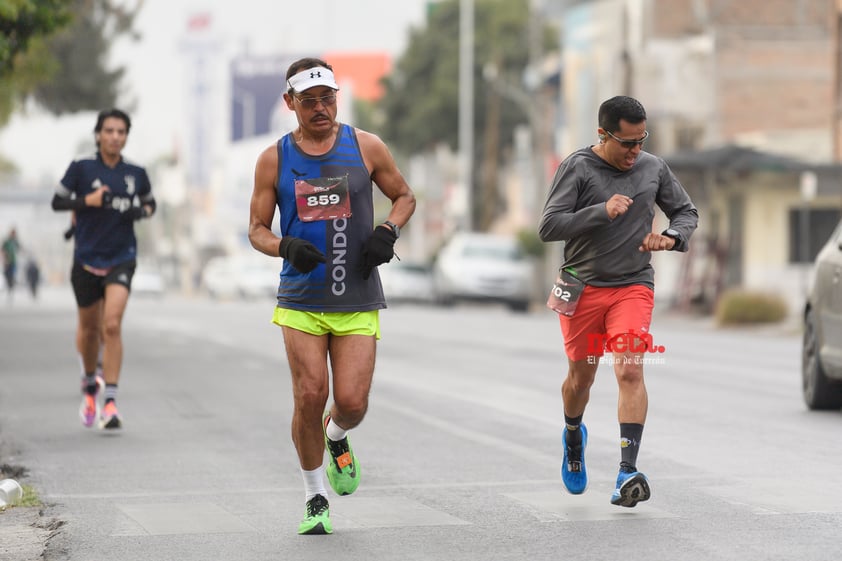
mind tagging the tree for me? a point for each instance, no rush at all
(81, 80)
(56, 52)
(23, 58)
(23, 20)
(421, 104)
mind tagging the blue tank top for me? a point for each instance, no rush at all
(338, 284)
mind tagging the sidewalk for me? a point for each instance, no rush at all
(24, 533)
(791, 326)
(49, 297)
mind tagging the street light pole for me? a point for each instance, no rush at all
(466, 106)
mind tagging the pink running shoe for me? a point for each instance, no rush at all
(89, 409)
(110, 418)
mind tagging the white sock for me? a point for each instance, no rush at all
(314, 482)
(111, 391)
(334, 431)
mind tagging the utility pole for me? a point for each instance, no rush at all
(466, 107)
(536, 108)
(837, 82)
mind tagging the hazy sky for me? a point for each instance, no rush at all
(43, 146)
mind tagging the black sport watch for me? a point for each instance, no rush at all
(670, 233)
(395, 228)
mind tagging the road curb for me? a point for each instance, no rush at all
(24, 533)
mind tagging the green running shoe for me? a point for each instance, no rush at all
(343, 470)
(316, 517)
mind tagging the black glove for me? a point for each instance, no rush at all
(303, 255)
(378, 249)
(138, 212)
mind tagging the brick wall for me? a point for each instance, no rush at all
(773, 63)
(672, 18)
(773, 84)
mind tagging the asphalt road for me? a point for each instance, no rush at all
(460, 450)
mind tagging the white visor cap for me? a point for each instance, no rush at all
(312, 77)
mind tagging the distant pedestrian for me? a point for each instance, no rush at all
(10, 249)
(602, 205)
(107, 194)
(33, 277)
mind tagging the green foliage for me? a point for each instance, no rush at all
(531, 243)
(25, 60)
(366, 116)
(31, 68)
(742, 307)
(421, 104)
(7, 166)
(30, 497)
(82, 80)
(57, 51)
(24, 20)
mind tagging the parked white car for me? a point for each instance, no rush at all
(404, 281)
(242, 276)
(148, 279)
(821, 350)
(483, 267)
(148, 283)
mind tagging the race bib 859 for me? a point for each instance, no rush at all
(322, 198)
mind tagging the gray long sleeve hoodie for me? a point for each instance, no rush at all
(602, 251)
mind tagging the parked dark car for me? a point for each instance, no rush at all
(821, 365)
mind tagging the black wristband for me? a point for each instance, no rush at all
(675, 235)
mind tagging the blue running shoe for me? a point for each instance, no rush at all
(573, 472)
(632, 488)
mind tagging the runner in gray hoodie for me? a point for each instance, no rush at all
(602, 204)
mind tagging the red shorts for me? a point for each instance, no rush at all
(603, 314)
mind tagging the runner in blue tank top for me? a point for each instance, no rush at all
(107, 195)
(320, 178)
(339, 231)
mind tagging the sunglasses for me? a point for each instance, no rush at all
(629, 144)
(310, 102)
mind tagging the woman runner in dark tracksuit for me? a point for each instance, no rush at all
(107, 194)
